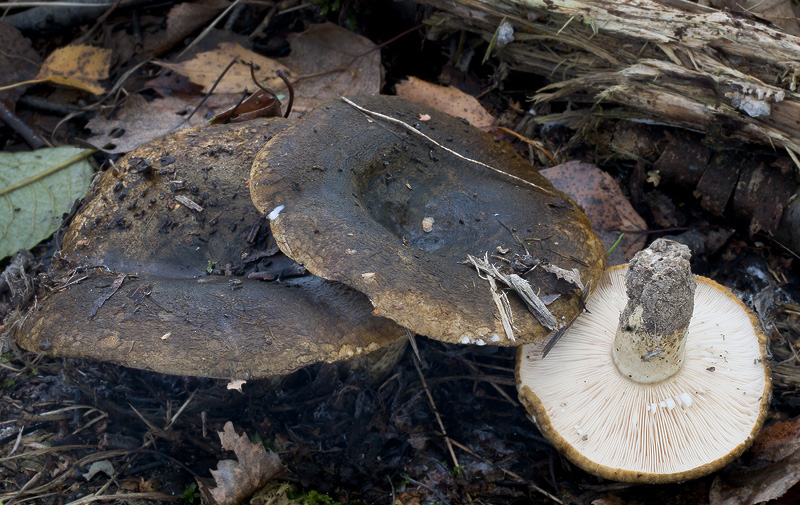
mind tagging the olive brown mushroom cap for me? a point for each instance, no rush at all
(363, 201)
(686, 426)
(204, 328)
(173, 204)
(140, 295)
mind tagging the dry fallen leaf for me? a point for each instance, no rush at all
(238, 480)
(328, 60)
(746, 486)
(777, 440)
(604, 203)
(78, 66)
(205, 68)
(20, 63)
(140, 121)
(446, 99)
(183, 20)
(783, 13)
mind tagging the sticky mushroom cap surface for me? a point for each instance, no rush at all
(363, 201)
(689, 425)
(142, 296)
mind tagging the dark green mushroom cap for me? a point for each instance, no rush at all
(363, 201)
(131, 287)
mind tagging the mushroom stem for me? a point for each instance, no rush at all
(651, 336)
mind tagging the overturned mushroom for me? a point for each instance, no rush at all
(360, 199)
(139, 294)
(663, 383)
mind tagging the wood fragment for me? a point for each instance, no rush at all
(189, 203)
(676, 63)
(523, 289)
(503, 308)
(572, 276)
(105, 296)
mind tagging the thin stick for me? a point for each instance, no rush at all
(507, 472)
(527, 141)
(436, 413)
(22, 129)
(213, 87)
(208, 29)
(417, 132)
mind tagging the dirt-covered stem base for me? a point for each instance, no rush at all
(650, 340)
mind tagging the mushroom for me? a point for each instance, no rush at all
(363, 201)
(131, 287)
(645, 388)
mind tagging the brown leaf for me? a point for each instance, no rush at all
(328, 60)
(141, 121)
(605, 205)
(777, 440)
(79, 66)
(782, 13)
(446, 99)
(19, 63)
(237, 481)
(206, 67)
(748, 487)
(183, 19)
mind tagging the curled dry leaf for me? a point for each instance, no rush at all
(238, 480)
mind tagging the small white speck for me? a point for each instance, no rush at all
(465, 340)
(580, 432)
(670, 404)
(272, 216)
(495, 338)
(686, 399)
(480, 341)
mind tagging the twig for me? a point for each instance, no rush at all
(413, 342)
(500, 390)
(213, 87)
(507, 472)
(527, 141)
(20, 127)
(445, 148)
(208, 29)
(436, 413)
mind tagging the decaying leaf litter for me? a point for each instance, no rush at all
(339, 434)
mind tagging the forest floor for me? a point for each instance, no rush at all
(444, 426)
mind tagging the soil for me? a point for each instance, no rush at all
(443, 427)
